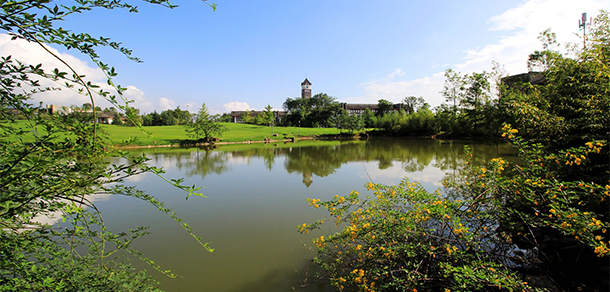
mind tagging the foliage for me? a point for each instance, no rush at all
(384, 107)
(420, 123)
(64, 166)
(540, 223)
(268, 117)
(349, 122)
(167, 118)
(246, 117)
(471, 108)
(204, 125)
(316, 111)
(411, 104)
(369, 118)
(404, 238)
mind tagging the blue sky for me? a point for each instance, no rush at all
(249, 54)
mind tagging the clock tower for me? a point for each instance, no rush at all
(306, 89)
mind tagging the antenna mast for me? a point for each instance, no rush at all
(583, 23)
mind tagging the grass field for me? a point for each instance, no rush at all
(165, 135)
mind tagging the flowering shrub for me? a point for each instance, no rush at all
(544, 218)
(489, 223)
(405, 238)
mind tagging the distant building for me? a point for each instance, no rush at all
(105, 118)
(306, 89)
(521, 82)
(350, 108)
(236, 116)
(359, 108)
(58, 109)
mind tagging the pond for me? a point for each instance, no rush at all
(255, 199)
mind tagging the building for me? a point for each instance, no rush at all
(350, 108)
(236, 116)
(306, 89)
(58, 109)
(523, 82)
(105, 118)
(359, 108)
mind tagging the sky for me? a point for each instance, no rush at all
(250, 54)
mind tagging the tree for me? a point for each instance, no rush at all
(352, 122)
(167, 118)
(412, 103)
(542, 60)
(315, 111)
(182, 116)
(384, 107)
(225, 118)
(268, 116)
(66, 163)
(453, 90)
(116, 120)
(246, 118)
(204, 125)
(370, 121)
(494, 227)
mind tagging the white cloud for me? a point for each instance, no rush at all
(518, 30)
(236, 106)
(140, 101)
(165, 104)
(33, 54)
(396, 72)
(192, 107)
(522, 26)
(395, 90)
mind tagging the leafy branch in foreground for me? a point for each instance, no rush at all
(65, 165)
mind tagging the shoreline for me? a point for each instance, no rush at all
(266, 141)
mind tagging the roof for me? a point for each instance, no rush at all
(306, 82)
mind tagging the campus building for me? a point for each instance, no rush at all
(350, 108)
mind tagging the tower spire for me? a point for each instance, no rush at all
(306, 88)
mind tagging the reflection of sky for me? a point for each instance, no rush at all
(54, 217)
(138, 178)
(430, 177)
(237, 160)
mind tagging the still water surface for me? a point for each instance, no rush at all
(256, 198)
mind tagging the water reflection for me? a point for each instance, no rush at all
(255, 199)
(322, 159)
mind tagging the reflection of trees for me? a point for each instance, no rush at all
(319, 160)
(414, 155)
(268, 154)
(323, 159)
(453, 159)
(194, 162)
(206, 162)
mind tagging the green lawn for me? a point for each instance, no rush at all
(164, 135)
